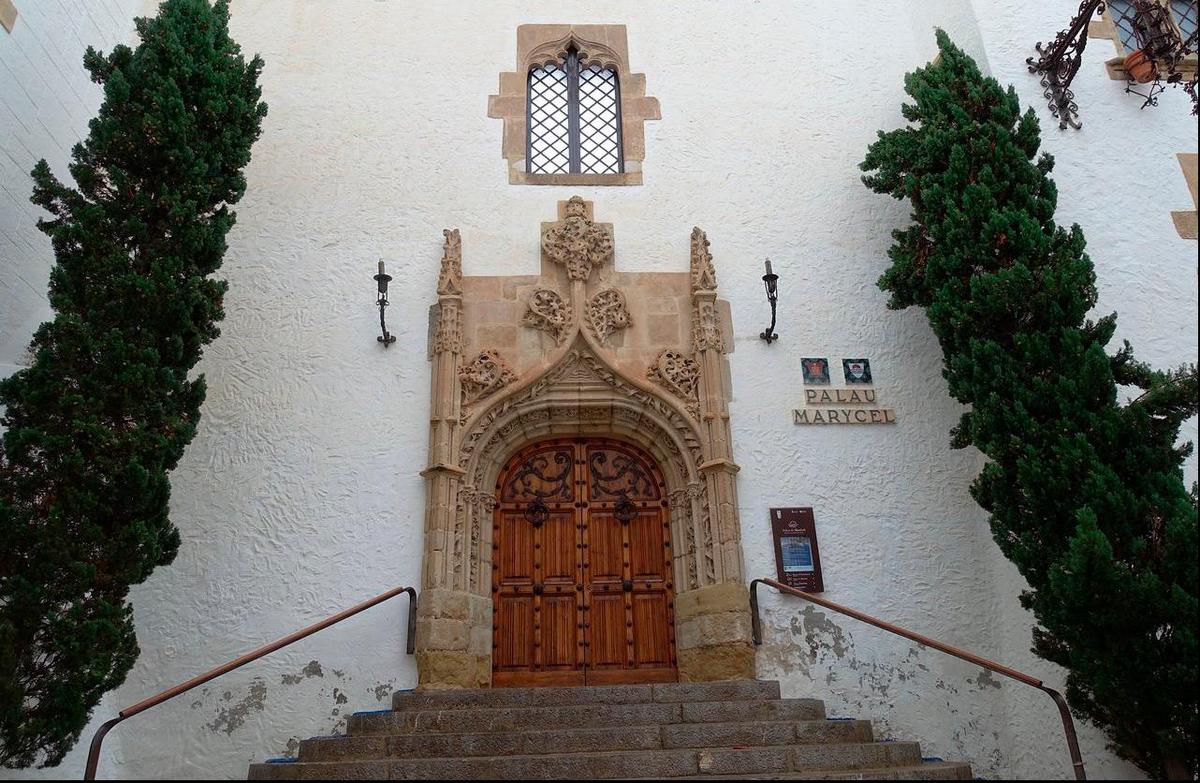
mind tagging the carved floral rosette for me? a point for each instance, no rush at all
(550, 313)
(680, 375)
(484, 375)
(576, 243)
(607, 312)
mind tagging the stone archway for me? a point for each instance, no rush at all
(575, 379)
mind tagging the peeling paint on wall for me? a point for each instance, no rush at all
(229, 719)
(313, 669)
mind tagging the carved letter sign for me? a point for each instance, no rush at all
(797, 561)
(856, 406)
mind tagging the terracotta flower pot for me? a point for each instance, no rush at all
(1140, 67)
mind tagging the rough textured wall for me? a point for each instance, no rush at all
(300, 495)
(46, 99)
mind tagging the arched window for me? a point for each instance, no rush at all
(574, 119)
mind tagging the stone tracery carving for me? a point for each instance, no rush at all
(486, 374)
(679, 374)
(450, 279)
(704, 275)
(576, 366)
(607, 312)
(550, 313)
(577, 243)
(449, 334)
(706, 329)
(681, 502)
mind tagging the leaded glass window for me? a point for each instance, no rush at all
(1122, 16)
(574, 119)
(1185, 14)
(1122, 12)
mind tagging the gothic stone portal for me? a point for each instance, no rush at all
(579, 351)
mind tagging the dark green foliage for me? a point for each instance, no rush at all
(1086, 495)
(106, 409)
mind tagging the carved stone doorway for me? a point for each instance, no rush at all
(581, 350)
(582, 588)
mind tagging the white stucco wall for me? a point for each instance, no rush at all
(301, 494)
(46, 100)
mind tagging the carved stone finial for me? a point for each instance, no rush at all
(548, 312)
(450, 279)
(678, 374)
(485, 374)
(577, 243)
(576, 207)
(607, 312)
(704, 276)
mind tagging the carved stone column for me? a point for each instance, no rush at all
(713, 621)
(447, 611)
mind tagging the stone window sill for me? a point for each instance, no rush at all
(627, 178)
(1116, 68)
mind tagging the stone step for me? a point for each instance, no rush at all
(582, 740)
(622, 764)
(728, 690)
(930, 770)
(491, 719)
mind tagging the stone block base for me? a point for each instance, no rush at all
(441, 669)
(712, 633)
(734, 661)
(453, 640)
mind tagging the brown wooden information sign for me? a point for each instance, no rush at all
(796, 557)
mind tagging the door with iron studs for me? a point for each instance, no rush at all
(582, 590)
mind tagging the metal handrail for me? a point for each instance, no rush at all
(1064, 713)
(94, 752)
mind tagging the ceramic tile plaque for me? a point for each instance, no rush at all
(857, 403)
(797, 561)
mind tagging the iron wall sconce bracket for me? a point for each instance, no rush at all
(383, 279)
(771, 284)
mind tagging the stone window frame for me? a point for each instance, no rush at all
(603, 44)
(8, 15)
(1185, 220)
(1106, 27)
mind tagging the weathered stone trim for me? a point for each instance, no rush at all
(8, 15)
(1185, 221)
(607, 44)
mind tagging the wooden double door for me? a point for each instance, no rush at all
(581, 575)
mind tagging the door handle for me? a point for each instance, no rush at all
(538, 587)
(627, 585)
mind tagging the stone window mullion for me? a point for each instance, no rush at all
(573, 108)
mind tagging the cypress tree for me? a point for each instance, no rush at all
(1085, 493)
(104, 412)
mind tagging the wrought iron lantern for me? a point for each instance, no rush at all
(1163, 49)
(383, 279)
(1161, 45)
(771, 284)
(537, 513)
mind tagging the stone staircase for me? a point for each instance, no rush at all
(723, 730)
